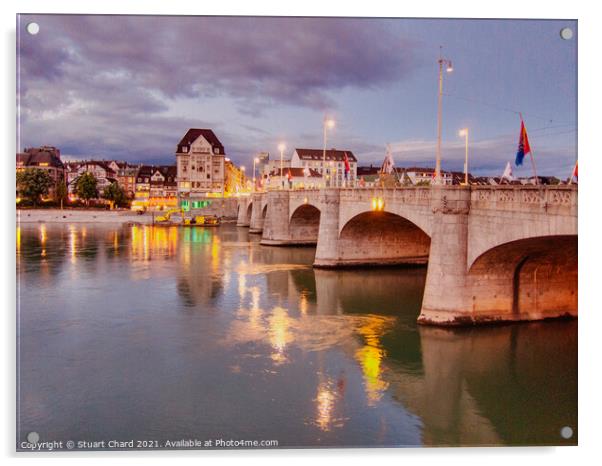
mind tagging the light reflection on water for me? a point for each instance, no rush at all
(203, 333)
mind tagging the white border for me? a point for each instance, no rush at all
(590, 154)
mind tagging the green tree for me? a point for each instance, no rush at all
(33, 183)
(86, 187)
(115, 194)
(61, 193)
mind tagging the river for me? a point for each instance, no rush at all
(166, 333)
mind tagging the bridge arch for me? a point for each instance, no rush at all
(526, 279)
(304, 224)
(382, 238)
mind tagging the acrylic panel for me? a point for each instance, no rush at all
(288, 232)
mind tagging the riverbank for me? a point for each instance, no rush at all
(107, 216)
(82, 216)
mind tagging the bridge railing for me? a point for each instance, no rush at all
(524, 198)
(420, 195)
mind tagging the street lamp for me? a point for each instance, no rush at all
(255, 161)
(464, 132)
(242, 176)
(281, 148)
(328, 124)
(449, 68)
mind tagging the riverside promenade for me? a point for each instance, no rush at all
(82, 216)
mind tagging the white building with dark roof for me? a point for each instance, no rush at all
(200, 158)
(334, 169)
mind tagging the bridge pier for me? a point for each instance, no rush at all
(257, 218)
(243, 219)
(446, 295)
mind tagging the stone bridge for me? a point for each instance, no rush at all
(503, 253)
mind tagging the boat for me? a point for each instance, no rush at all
(201, 221)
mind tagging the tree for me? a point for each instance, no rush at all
(115, 194)
(61, 192)
(86, 187)
(33, 183)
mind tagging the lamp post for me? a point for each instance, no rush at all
(281, 148)
(449, 68)
(464, 132)
(328, 123)
(242, 176)
(255, 161)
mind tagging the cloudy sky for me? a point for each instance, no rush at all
(128, 87)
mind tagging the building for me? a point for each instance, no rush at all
(422, 175)
(293, 178)
(235, 178)
(368, 176)
(334, 171)
(269, 165)
(126, 178)
(156, 188)
(262, 160)
(200, 161)
(101, 170)
(45, 158)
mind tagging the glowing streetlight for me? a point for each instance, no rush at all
(255, 161)
(281, 148)
(449, 68)
(464, 132)
(328, 124)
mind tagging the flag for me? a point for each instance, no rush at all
(523, 144)
(388, 162)
(508, 172)
(347, 166)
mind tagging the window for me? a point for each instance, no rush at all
(208, 175)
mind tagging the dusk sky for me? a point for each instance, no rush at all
(128, 87)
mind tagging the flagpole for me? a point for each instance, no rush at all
(573, 174)
(530, 153)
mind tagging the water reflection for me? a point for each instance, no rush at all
(146, 322)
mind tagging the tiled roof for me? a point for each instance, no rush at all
(331, 154)
(194, 133)
(366, 171)
(49, 156)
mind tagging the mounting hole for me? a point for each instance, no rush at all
(33, 28)
(33, 437)
(566, 432)
(566, 33)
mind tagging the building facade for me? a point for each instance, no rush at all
(200, 160)
(422, 175)
(293, 178)
(333, 171)
(45, 158)
(235, 178)
(101, 170)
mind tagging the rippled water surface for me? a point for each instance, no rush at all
(162, 333)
